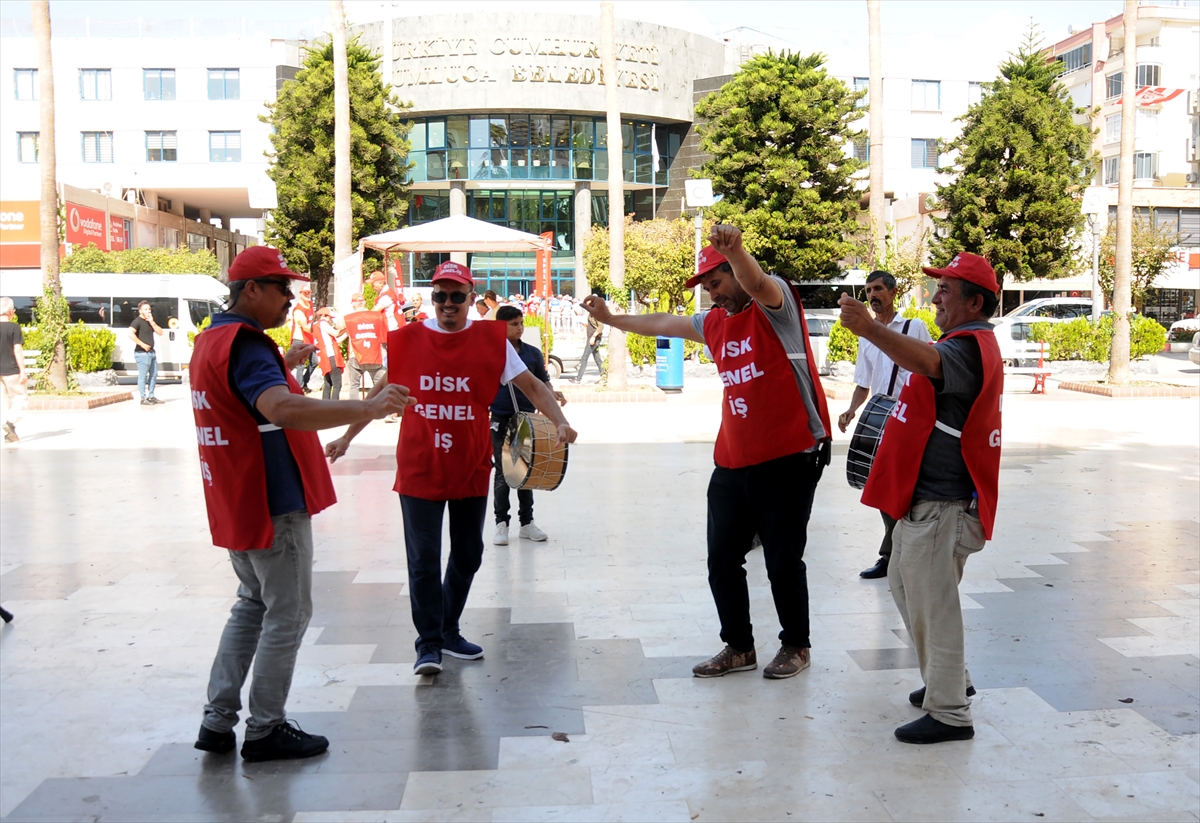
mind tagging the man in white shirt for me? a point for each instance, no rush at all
(875, 373)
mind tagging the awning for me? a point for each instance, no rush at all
(451, 234)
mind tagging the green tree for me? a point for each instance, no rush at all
(302, 164)
(142, 261)
(1020, 168)
(660, 255)
(1153, 250)
(777, 134)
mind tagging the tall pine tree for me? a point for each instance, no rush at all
(302, 165)
(1021, 166)
(777, 134)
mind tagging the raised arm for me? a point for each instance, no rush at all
(295, 411)
(750, 276)
(906, 352)
(650, 325)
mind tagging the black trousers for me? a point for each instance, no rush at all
(590, 350)
(889, 524)
(438, 604)
(775, 500)
(500, 487)
(333, 385)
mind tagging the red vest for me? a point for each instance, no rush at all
(445, 446)
(367, 334)
(231, 453)
(897, 463)
(329, 353)
(387, 303)
(763, 416)
(307, 314)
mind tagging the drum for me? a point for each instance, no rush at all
(531, 456)
(866, 439)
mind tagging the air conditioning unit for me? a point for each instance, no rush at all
(1192, 177)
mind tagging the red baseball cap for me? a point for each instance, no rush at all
(710, 258)
(969, 267)
(261, 261)
(455, 272)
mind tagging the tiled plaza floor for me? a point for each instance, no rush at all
(1083, 637)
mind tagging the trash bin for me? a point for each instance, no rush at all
(668, 372)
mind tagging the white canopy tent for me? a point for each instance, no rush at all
(451, 234)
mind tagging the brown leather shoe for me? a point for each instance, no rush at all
(725, 661)
(790, 661)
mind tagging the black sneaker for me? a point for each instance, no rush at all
(928, 730)
(215, 742)
(287, 741)
(917, 698)
(10, 432)
(154, 401)
(146, 402)
(429, 659)
(456, 646)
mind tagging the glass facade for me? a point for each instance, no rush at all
(537, 147)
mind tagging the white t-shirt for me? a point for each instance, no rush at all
(873, 371)
(513, 365)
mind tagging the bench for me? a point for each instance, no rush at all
(1039, 373)
(30, 358)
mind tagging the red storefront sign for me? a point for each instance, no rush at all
(86, 226)
(541, 272)
(117, 240)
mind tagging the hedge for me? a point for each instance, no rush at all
(1078, 339)
(88, 349)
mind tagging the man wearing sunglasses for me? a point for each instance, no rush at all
(264, 477)
(455, 367)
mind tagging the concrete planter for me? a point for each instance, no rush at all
(1180, 348)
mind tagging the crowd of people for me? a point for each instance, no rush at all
(459, 376)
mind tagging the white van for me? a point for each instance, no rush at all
(180, 302)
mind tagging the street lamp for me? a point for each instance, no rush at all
(1095, 199)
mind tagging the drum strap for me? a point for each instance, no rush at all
(895, 367)
(269, 427)
(513, 394)
(797, 356)
(938, 424)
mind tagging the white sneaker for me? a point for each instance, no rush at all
(501, 538)
(530, 531)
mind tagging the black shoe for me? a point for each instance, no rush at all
(287, 741)
(917, 698)
(10, 432)
(928, 730)
(215, 742)
(154, 401)
(877, 571)
(145, 402)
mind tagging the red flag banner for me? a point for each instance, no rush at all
(1153, 95)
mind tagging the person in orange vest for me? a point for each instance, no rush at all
(367, 333)
(936, 472)
(329, 353)
(264, 477)
(444, 454)
(300, 324)
(771, 449)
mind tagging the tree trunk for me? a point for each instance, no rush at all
(1118, 364)
(875, 134)
(343, 220)
(616, 191)
(56, 372)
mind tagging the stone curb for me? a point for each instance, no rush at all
(1163, 390)
(52, 403)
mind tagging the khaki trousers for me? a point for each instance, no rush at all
(930, 547)
(14, 395)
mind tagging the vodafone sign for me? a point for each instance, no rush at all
(86, 226)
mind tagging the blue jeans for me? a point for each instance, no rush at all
(265, 626)
(147, 363)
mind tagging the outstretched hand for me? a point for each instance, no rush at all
(595, 306)
(726, 239)
(855, 316)
(297, 354)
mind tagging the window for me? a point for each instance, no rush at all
(974, 92)
(95, 310)
(25, 84)
(159, 84)
(1149, 74)
(224, 84)
(95, 84)
(1075, 59)
(27, 147)
(199, 310)
(225, 147)
(161, 147)
(196, 242)
(97, 146)
(1113, 84)
(1112, 170)
(926, 95)
(862, 150)
(1145, 165)
(862, 84)
(125, 309)
(1112, 129)
(924, 153)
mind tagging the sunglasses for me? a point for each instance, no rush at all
(455, 297)
(284, 286)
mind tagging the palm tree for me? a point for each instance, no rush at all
(616, 191)
(1118, 364)
(343, 220)
(875, 135)
(56, 372)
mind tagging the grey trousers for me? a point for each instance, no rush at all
(265, 626)
(355, 372)
(930, 547)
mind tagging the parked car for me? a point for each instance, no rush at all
(1194, 351)
(820, 323)
(1056, 308)
(1013, 334)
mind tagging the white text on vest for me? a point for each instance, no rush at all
(437, 382)
(736, 348)
(743, 375)
(210, 436)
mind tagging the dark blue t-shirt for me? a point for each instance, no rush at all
(532, 358)
(254, 368)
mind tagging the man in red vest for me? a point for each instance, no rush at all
(387, 302)
(300, 326)
(367, 333)
(936, 471)
(771, 450)
(264, 477)
(329, 352)
(444, 455)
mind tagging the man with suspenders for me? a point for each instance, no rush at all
(771, 449)
(875, 373)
